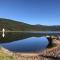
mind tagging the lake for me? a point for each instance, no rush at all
(24, 42)
(32, 44)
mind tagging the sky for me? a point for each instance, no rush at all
(44, 12)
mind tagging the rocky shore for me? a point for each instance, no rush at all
(53, 53)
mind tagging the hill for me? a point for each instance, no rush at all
(12, 25)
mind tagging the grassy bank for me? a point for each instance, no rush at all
(5, 56)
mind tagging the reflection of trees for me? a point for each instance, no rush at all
(16, 36)
(12, 36)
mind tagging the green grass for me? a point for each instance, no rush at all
(5, 56)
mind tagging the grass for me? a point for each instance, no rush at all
(5, 56)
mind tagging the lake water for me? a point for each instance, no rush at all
(31, 44)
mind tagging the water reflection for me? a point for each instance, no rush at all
(20, 36)
(32, 44)
(25, 42)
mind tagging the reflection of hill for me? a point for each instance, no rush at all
(20, 26)
(13, 36)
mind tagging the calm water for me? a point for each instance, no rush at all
(32, 44)
(26, 42)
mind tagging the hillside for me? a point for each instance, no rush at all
(20, 26)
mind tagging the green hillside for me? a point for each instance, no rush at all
(12, 25)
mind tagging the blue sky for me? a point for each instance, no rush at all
(45, 12)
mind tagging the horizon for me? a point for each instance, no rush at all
(34, 12)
